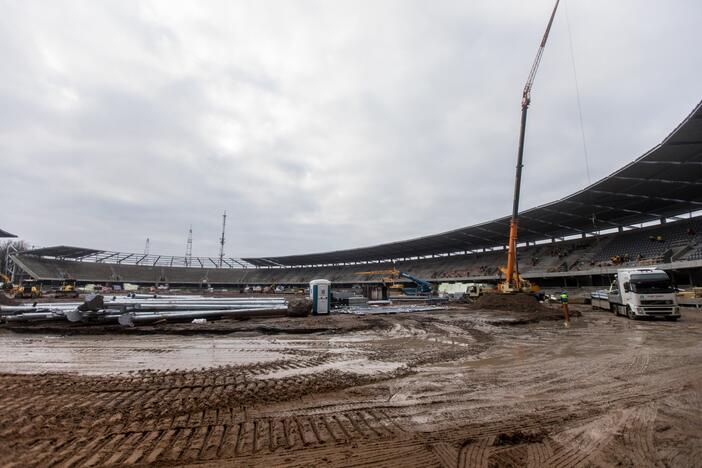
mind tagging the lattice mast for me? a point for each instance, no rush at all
(189, 247)
(221, 240)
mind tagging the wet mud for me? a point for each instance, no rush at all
(454, 388)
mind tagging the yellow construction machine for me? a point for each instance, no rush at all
(517, 284)
(423, 286)
(388, 277)
(67, 289)
(28, 289)
(6, 283)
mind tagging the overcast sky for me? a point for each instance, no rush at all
(319, 125)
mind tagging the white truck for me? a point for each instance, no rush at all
(639, 292)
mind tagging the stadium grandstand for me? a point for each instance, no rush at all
(646, 213)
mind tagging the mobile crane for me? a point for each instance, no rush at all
(513, 282)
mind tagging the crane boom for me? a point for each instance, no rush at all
(526, 94)
(512, 280)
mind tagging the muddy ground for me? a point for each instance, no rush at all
(449, 388)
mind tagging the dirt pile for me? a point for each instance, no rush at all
(510, 302)
(8, 301)
(299, 307)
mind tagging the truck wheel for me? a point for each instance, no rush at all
(630, 313)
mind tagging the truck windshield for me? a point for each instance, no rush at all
(651, 284)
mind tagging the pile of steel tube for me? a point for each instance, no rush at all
(143, 309)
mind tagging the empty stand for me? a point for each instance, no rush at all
(678, 241)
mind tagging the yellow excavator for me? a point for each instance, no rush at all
(28, 289)
(387, 277)
(513, 282)
(393, 274)
(7, 285)
(66, 290)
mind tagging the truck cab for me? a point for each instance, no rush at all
(643, 292)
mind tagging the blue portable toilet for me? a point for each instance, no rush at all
(320, 293)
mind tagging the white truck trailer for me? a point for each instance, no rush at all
(639, 292)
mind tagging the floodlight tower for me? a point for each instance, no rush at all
(221, 240)
(146, 247)
(189, 247)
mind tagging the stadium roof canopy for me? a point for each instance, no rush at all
(663, 183)
(62, 251)
(6, 234)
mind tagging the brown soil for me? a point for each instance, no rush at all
(606, 392)
(8, 301)
(266, 326)
(522, 304)
(511, 302)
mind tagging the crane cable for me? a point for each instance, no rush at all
(580, 110)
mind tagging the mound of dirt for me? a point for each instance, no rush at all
(299, 307)
(8, 301)
(510, 302)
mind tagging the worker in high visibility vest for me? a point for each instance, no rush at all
(566, 313)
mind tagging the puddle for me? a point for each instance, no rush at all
(91, 355)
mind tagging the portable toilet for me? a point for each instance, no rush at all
(320, 293)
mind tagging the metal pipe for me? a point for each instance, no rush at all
(10, 311)
(165, 307)
(252, 301)
(77, 316)
(32, 316)
(131, 319)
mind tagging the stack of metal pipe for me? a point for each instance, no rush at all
(141, 309)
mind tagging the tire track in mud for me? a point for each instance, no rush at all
(537, 454)
(447, 454)
(153, 399)
(182, 444)
(182, 417)
(639, 436)
(475, 453)
(577, 446)
(226, 415)
(679, 413)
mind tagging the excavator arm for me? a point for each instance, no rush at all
(424, 286)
